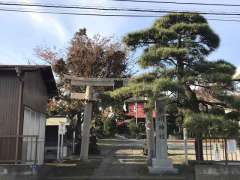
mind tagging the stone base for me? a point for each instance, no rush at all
(163, 166)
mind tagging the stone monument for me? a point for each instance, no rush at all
(161, 164)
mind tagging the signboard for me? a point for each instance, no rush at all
(216, 152)
(148, 125)
(62, 129)
(80, 96)
(135, 107)
(83, 96)
(231, 145)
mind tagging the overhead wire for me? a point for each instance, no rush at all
(114, 9)
(180, 3)
(76, 13)
(107, 9)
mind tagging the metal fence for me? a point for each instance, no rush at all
(222, 150)
(181, 151)
(22, 149)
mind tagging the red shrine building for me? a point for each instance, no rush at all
(135, 109)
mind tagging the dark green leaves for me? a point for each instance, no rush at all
(210, 125)
(174, 18)
(176, 49)
(155, 56)
(215, 72)
(149, 36)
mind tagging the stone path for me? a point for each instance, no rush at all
(122, 159)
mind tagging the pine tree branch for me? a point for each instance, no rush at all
(212, 103)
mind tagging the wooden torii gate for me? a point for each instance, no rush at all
(89, 98)
(160, 163)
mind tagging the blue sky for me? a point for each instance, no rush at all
(20, 33)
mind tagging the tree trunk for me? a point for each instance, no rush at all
(199, 148)
(193, 105)
(78, 128)
(149, 138)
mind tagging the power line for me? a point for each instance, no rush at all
(179, 3)
(100, 14)
(75, 13)
(224, 20)
(115, 9)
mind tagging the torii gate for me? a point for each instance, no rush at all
(90, 83)
(161, 163)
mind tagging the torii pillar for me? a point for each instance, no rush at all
(86, 124)
(161, 163)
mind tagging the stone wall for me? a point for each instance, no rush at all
(217, 172)
(18, 172)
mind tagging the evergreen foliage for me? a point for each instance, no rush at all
(133, 128)
(176, 48)
(208, 125)
(110, 127)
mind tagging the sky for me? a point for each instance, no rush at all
(20, 33)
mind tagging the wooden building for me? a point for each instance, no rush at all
(135, 109)
(52, 137)
(24, 93)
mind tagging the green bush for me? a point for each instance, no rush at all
(211, 125)
(97, 123)
(110, 127)
(133, 128)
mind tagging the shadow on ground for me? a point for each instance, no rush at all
(119, 159)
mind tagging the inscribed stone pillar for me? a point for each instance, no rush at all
(161, 164)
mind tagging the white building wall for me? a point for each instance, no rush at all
(33, 126)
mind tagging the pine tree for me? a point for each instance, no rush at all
(175, 52)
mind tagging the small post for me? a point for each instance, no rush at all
(149, 135)
(226, 151)
(58, 146)
(136, 109)
(36, 151)
(61, 147)
(185, 146)
(73, 143)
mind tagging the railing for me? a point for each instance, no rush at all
(220, 150)
(181, 151)
(22, 149)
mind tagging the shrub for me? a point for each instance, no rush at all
(133, 128)
(110, 127)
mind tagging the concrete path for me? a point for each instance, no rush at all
(122, 158)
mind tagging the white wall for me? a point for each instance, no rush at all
(33, 125)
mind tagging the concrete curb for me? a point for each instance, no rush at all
(120, 177)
